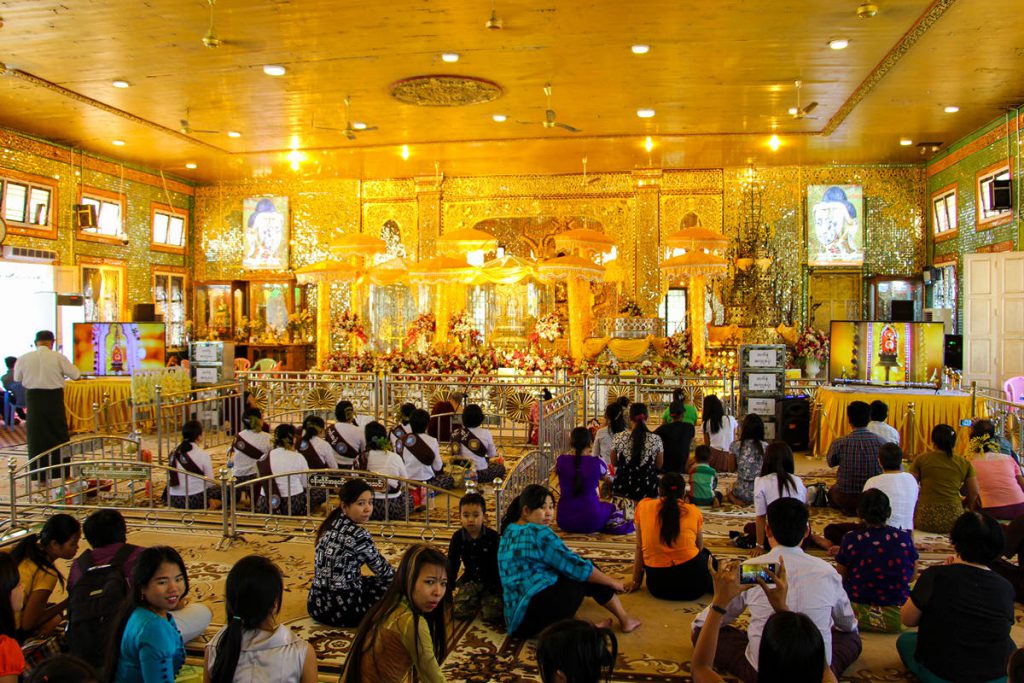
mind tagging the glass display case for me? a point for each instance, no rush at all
(169, 296)
(219, 309)
(883, 290)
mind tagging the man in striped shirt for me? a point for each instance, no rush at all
(856, 455)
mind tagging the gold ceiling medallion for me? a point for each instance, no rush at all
(444, 91)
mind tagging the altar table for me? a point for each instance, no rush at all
(828, 418)
(81, 394)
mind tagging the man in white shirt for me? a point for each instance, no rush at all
(42, 373)
(901, 487)
(815, 589)
(878, 425)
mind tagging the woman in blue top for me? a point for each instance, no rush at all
(147, 647)
(542, 579)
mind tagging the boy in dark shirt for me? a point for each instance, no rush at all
(475, 546)
(676, 437)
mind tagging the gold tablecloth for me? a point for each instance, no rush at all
(81, 394)
(627, 350)
(828, 420)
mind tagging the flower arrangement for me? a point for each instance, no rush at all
(812, 343)
(300, 324)
(548, 327)
(347, 323)
(678, 345)
(422, 325)
(982, 444)
(631, 308)
(461, 327)
(242, 330)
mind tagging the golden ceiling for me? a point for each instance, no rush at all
(719, 76)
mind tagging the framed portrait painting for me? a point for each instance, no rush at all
(835, 225)
(265, 225)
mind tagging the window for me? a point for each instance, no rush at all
(944, 222)
(169, 297)
(673, 310)
(104, 289)
(25, 203)
(168, 228)
(109, 207)
(986, 215)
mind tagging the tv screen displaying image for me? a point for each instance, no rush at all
(118, 349)
(885, 353)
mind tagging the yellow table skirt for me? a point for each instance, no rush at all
(627, 350)
(80, 395)
(829, 422)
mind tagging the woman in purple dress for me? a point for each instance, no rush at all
(580, 510)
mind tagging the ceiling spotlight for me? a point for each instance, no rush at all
(234, 134)
(645, 113)
(640, 49)
(405, 152)
(793, 111)
(906, 142)
(117, 143)
(274, 70)
(838, 43)
(494, 23)
(359, 125)
(867, 10)
(774, 142)
(499, 118)
(450, 57)
(648, 144)
(951, 109)
(190, 166)
(121, 84)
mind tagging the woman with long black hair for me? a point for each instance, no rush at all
(580, 510)
(638, 455)
(36, 555)
(190, 477)
(748, 454)
(614, 422)
(718, 432)
(943, 475)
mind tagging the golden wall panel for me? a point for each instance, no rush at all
(705, 181)
(382, 190)
(403, 213)
(538, 186)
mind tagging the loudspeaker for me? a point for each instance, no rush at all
(1000, 194)
(85, 215)
(953, 351)
(795, 422)
(902, 311)
(144, 313)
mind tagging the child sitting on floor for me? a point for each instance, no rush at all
(475, 546)
(704, 479)
(477, 445)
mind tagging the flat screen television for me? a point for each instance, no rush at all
(885, 353)
(118, 349)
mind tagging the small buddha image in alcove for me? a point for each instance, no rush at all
(690, 220)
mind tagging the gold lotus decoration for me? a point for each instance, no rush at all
(442, 90)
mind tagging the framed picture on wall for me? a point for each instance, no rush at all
(835, 225)
(265, 225)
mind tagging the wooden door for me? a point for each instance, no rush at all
(1011, 315)
(833, 296)
(981, 339)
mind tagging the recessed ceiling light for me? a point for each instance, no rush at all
(234, 134)
(190, 166)
(499, 118)
(359, 125)
(774, 142)
(906, 142)
(838, 43)
(450, 57)
(405, 152)
(951, 109)
(121, 84)
(648, 144)
(117, 143)
(640, 49)
(274, 70)
(645, 113)
(793, 111)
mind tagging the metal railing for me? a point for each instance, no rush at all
(1006, 416)
(534, 468)
(656, 392)
(557, 418)
(218, 408)
(290, 396)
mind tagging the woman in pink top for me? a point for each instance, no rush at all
(1001, 485)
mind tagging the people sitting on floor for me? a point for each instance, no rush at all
(580, 509)
(404, 636)
(1013, 546)
(285, 493)
(402, 429)
(943, 476)
(704, 479)
(62, 668)
(748, 454)
(340, 595)
(575, 651)
(878, 424)
(394, 503)
(983, 433)
(250, 444)
(1000, 482)
(346, 438)
(670, 550)
(638, 455)
(775, 481)
(900, 487)
(614, 422)
(689, 414)
(475, 547)
(676, 437)
(421, 452)
(963, 611)
(814, 587)
(718, 430)
(877, 564)
(791, 648)
(146, 644)
(856, 456)
(477, 445)
(441, 417)
(252, 646)
(543, 581)
(190, 477)
(36, 556)
(12, 600)
(318, 455)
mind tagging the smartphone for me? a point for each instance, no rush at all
(750, 573)
(967, 422)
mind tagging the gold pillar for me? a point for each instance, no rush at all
(698, 326)
(428, 211)
(644, 278)
(442, 314)
(323, 320)
(574, 290)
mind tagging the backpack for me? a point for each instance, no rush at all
(94, 603)
(817, 496)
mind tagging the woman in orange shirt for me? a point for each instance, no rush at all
(670, 545)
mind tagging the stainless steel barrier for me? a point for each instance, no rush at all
(557, 418)
(218, 408)
(290, 396)
(534, 468)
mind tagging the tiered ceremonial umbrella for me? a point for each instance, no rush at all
(577, 272)
(388, 272)
(696, 266)
(323, 274)
(507, 270)
(449, 276)
(697, 239)
(584, 241)
(462, 242)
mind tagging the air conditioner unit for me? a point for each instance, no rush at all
(29, 255)
(940, 315)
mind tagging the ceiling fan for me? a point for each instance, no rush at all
(187, 129)
(211, 39)
(550, 118)
(351, 129)
(799, 112)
